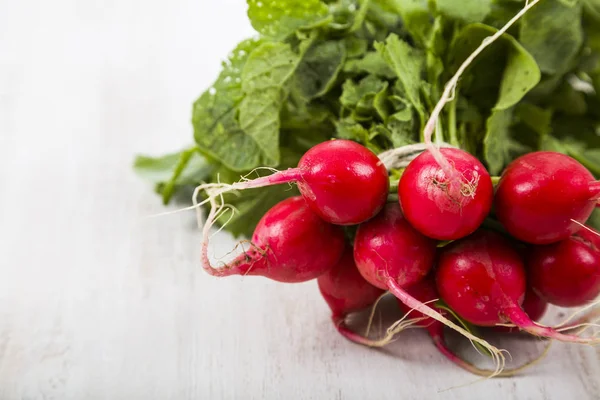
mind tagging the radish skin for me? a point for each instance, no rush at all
(482, 278)
(346, 291)
(533, 305)
(289, 244)
(544, 197)
(440, 207)
(567, 273)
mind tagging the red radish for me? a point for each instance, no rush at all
(482, 278)
(290, 244)
(346, 291)
(533, 305)
(544, 197)
(392, 255)
(567, 273)
(441, 206)
(389, 244)
(342, 181)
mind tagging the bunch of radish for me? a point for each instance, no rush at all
(429, 244)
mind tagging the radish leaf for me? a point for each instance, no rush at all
(278, 19)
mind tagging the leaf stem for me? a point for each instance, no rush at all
(184, 158)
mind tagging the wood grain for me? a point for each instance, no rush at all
(98, 303)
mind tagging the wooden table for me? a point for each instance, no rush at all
(98, 303)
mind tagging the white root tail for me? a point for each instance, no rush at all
(497, 354)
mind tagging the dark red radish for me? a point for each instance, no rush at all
(533, 305)
(392, 255)
(482, 278)
(543, 197)
(389, 244)
(346, 291)
(567, 273)
(446, 206)
(290, 244)
(342, 181)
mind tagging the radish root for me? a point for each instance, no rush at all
(216, 211)
(391, 332)
(397, 327)
(497, 354)
(485, 373)
(583, 226)
(372, 314)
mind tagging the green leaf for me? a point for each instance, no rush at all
(592, 8)
(503, 11)
(521, 74)
(172, 171)
(161, 169)
(355, 47)
(264, 77)
(465, 10)
(534, 117)
(359, 18)
(216, 128)
(596, 82)
(360, 96)
(505, 68)
(372, 63)
(319, 69)
(552, 32)
(383, 16)
(402, 127)
(381, 104)
(568, 100)
(352, 130)
(279, 19)
(299, 115)
(569, 3)
(407, 63)
(343, 13)
(499, 146)
(416, 17)
(579, 138)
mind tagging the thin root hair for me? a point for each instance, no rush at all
(583, 226)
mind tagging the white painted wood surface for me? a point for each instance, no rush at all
(96, 303)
